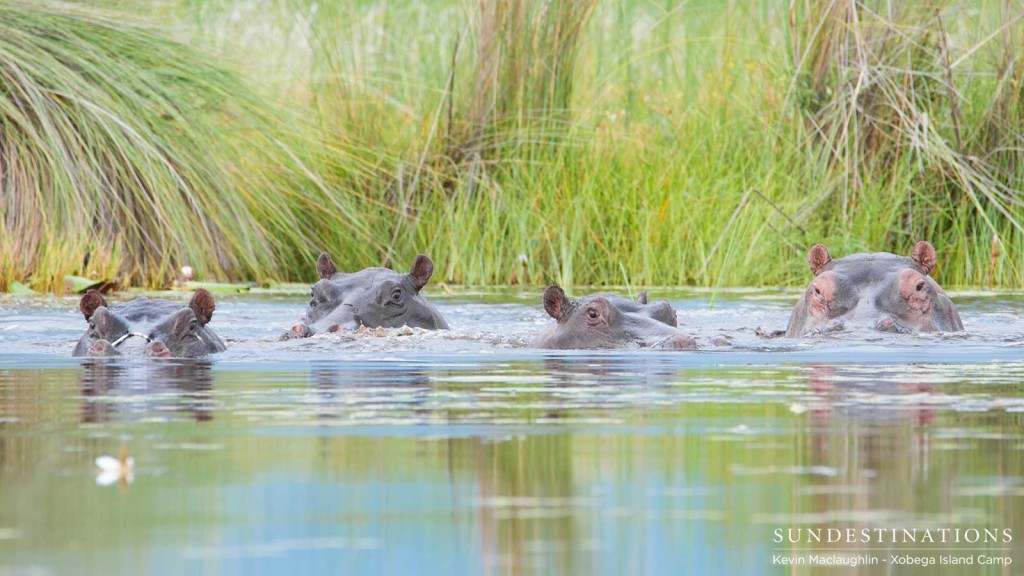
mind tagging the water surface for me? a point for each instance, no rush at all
(465, 452)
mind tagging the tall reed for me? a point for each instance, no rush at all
(585, 142)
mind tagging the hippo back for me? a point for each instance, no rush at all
(661, 310)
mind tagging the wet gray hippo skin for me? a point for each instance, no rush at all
(607, 321)
(168, 329)
(883, 291)
(374, 297)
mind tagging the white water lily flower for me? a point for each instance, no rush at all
(113, 470)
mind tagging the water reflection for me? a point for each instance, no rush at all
(529, 464)
(338, 391)
(892, 447)
(112, 388)
(612, 370)
(529, 520)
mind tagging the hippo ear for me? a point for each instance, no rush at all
(324, 267)
(90, 302)
(422, 270)
(203, 305)
(555, 302)
(818, 258)
(924, 256)
(642, 297)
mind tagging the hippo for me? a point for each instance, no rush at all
(890, 293)
(170, 329)
(609, 321)
(373, 297)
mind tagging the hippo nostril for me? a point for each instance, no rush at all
(158, 349)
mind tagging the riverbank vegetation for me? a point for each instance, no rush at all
(650, 142)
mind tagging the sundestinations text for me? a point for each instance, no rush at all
(893, 535)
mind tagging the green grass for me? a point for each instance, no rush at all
(638, 142)
(125, 155)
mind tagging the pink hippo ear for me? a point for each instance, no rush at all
(324, 267)
(924, 256)
(90, 302)
(422, 270)
(818, 258)
(555, 302)
(203, 305)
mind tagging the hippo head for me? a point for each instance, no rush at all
(105, 327)
(168, 328)
(183, 333)
(374, 297)
(607, 321)
(888, 292)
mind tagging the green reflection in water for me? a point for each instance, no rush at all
(509, 466)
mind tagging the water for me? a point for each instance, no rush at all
(464, 452)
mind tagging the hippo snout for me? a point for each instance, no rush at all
(891, 326)
(297, 331)
(158, 350)
(101, 349)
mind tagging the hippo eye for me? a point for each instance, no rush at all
(592, 312)
(817, 291)
(193, 326)
(920, 286)
(92, 325)
(396, 295)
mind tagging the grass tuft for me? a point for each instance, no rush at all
(125, 155)
(639, 142)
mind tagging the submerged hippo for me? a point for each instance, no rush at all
(169, 329)
(891, 293)
(374, 297)
(608, 321)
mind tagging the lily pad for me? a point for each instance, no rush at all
(283, 288)
(219, 287)
(19, 288)
(79, 285)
